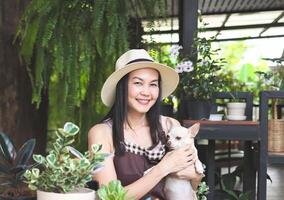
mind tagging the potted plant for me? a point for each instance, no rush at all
(199, 78)
(13, 164)
(236, 107)
(113, 191)
(64, 172)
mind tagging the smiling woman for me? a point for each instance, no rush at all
(134, 131)
(143, 89)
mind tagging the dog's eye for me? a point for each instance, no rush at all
(178, 138)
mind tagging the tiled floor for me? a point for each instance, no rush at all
(275, 190)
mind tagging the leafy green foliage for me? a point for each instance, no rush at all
(228, 185)
(64, 168)
(113, 191)
(13, 164)
(70, 47)
(203, 80)
(202, 191)
(239, 74)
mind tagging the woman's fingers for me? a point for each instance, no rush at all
(179, 159)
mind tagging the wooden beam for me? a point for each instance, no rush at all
(188, 24)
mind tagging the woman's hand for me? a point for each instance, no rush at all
(178, 159)
(189, 172)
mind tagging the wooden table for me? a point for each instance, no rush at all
(247, 131)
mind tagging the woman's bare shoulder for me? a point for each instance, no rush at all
(101, 134)
(100, 128)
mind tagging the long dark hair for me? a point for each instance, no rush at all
(118, 115)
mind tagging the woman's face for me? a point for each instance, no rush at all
(143, 89)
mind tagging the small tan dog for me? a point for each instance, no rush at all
(175, 188)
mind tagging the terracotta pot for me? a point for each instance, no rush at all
(80, 194)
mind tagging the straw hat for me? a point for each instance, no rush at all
(137, 59)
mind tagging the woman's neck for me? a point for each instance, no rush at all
(135, 121)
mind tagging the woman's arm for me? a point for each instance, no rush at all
(101, 134)
(172, 162)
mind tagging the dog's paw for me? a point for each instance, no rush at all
(199, 167)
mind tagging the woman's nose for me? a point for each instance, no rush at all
(145, 91)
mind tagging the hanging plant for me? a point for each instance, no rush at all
(69, 48)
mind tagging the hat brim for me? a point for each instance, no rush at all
(169, 80)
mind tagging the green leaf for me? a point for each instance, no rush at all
(244, 196)
(113, 190)
(75, 152)
(96, 147)
(71, 128)
(84, 163)
(51, 159)
(229, 181)
(35, 172)
(38, 158)
(25, 152)
(7, 147)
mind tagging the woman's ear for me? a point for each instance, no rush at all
(193, 130)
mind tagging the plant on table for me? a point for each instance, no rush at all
(199, 78)
(64, 169)
(13, 165)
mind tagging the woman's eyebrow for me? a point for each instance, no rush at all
(141, 79)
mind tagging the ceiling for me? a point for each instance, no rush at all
(226, 19)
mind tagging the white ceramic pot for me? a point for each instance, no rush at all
(236, 108)
(81, 194)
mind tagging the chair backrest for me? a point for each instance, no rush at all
(246, 96)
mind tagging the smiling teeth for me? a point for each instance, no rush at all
(143, 101)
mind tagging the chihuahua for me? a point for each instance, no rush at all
(176, 188)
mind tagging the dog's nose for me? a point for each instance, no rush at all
(169, 143)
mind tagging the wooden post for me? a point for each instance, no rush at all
(188, 20)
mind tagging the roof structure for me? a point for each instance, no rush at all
(226, 19)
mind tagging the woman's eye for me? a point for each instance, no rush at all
(137, 83)
(154, 85)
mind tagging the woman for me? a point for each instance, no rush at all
(134, 131)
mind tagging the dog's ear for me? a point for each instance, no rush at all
(169, 124)
(193, 130)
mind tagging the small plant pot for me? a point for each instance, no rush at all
(216, 117)
(80, 194)
(236, 108)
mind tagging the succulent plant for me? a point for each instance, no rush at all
(13, 165)
(113, 191)
(64, 169)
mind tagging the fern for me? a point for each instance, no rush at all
(70, 47)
